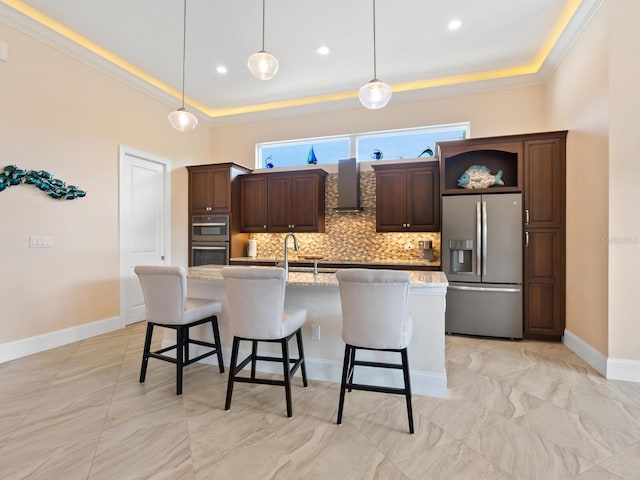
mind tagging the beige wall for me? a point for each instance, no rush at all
(64, 117)
(576, 98)
(624, 189)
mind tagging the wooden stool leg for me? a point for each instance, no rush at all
(216, 340)
(287, 375)
(407, 386)
(145, 352)
(232, 371)
(254, 354)
(343, 384)
(180, 346)
(301, 355)
(352, 366)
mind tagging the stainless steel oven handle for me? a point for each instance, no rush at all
(217, 224)
(208, 248)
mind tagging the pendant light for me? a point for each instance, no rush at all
(262, 64)
(375, 94)
(180, 119)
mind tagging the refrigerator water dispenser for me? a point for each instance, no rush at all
(461, 256)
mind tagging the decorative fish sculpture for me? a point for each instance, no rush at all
(479, 176)
(54, 187)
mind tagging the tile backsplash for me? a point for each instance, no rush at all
(351, 236)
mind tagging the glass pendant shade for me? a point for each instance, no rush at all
(182, 120)
(263, 65)
(375, 94)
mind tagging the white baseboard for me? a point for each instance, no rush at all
(586, 352)
(610, 368)
(422, 383)
(620, 369)
(39, 343)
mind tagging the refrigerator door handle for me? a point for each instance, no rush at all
(484, 289)
(478, 237)
(484, 238)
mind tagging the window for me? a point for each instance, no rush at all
(295, 153)
(387, 145)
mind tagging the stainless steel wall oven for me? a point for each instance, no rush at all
(210, 240)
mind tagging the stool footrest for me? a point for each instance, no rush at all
(365, 363)
(376, 388)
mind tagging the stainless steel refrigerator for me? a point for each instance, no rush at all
(482, 258)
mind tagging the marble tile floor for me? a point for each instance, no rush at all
(515, 410)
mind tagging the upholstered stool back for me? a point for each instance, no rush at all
(256, 301)
(374, 308)
(165, 293)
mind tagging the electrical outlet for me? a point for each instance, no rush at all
(315, 331)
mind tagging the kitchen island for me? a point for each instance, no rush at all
(323, 345)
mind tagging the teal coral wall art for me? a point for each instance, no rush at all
(55, 188)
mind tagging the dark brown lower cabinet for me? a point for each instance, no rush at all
(544, 283)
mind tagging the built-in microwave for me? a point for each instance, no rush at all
(210, 228)
(210, 254)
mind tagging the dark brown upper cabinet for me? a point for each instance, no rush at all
(283, 201)
(210, 187)
(407, 197)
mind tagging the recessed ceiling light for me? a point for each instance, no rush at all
(454, 24)
(221, 69)
(322, 50)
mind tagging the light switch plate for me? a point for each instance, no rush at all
(40, 241)
(4, 51)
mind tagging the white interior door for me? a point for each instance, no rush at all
(144, 224)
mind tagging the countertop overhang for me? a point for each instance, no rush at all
(434, 281)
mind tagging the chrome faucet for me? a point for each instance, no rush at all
(286, 250)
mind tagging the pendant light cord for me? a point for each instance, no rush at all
(184, 44)
(375, 74)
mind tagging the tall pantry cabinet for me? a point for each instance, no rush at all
(213, 189)
(544, 230)
(534, 164)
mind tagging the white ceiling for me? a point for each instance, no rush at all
(413, 45)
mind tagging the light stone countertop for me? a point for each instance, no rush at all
(419, 280)
(324, 261)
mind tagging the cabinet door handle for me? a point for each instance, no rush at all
(208, 209)
(526, 239)
(264, 226)
(526, 216)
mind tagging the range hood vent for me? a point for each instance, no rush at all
(348, 186)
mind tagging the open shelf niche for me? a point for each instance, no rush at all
(456, 156)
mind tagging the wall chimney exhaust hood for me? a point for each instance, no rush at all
(348, 186)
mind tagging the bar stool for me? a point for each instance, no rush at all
(167, 305)
(257, 313)
(374, 317)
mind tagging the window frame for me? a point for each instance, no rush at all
(355, 138)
